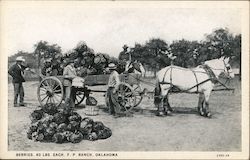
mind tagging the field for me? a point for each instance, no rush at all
(185, 130)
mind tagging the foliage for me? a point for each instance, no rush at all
(46, 50)
(30, 59)
(155, 53)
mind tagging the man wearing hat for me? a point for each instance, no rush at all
(17, 72)
(113, 84)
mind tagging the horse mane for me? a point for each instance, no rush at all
(214, 62)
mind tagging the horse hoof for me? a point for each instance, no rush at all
(209, 115)
(160, 114)
(168, 113)
(170, 109)
(202, 113)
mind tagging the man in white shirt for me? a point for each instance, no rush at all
(69, 74)
(113, 85)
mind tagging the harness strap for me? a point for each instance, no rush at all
(171, 69)
(165, 76)
(197, 86)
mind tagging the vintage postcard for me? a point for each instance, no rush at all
(124, 80)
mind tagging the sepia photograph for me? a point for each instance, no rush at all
(124, 79)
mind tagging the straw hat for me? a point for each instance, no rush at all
(20, 58)
(112, 66)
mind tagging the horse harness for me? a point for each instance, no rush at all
(130, 70)
(208, 71)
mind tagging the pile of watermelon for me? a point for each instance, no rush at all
(50, 124)
(87, 62)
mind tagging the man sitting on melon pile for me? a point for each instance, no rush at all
(71, 82)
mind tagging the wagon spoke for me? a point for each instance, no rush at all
(44, 98)
(43, 85)
(126, 89)
(57, 90)
(56, 87)
(56, 98)
(50, 99)
(43, 94)
(77, 100)
(58, 95)
(44, 89)
(78, 97)
(47, 100)
(136, 87)
(53, 101)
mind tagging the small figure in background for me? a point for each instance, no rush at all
(47, 69)
(124, 56)
(171, 56)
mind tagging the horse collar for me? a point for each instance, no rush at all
(210, 73)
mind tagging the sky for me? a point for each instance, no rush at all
(107, 28)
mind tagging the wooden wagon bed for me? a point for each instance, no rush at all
(51, 89)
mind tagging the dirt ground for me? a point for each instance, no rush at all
(185, 130)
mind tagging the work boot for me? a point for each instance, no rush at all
(22, 104)
(168, 112)
(160, 114)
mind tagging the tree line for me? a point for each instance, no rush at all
(154, 53)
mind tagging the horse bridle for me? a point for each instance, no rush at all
(227, 68)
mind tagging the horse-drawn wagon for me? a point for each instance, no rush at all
(129, 94)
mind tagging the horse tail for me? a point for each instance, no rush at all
(157, 93)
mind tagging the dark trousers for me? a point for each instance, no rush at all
(18, 91)
(114, 106)
(109, 100)
(70, 96)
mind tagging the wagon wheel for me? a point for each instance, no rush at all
(50, 90)
(138, 98)
(79, 97)
(125, 97)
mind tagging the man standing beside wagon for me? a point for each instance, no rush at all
(113, 83)
(17, 73)
(69, 74)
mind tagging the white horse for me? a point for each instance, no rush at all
(196, 80)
